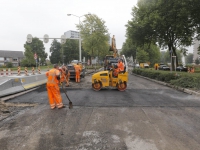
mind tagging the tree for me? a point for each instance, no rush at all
(168, 23)
(142, 56)
(95, 36)
(29, 57)
(197, 61)
(167, 58)
(55, 52)
(128, 49)
(9, 65)
(189, 58)
(71, 50)
(37, 47)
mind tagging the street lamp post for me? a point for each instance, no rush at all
(79, 33)
(63, 55)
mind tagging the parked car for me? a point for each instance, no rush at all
(136, 65)
(163, 67)
(144, 65)
(181, 68)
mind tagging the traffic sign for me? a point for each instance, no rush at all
(63, 39)
(35, 56)
(29, 38)
(46, 38)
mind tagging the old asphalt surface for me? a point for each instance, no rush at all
(147, 116)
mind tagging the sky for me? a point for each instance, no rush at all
(39, 17)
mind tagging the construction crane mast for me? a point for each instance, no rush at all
(113, 47)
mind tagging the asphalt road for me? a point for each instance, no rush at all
(147, 116)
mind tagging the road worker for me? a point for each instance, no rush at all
(64, 75)
(67, 76)
(120, 65)
(77, 70)
(192, 69)
(53, 79)
(119, 68)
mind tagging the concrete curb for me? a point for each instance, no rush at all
(188, 91)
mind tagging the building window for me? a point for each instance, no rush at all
(15, 59)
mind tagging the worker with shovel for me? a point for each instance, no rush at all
(53, 80)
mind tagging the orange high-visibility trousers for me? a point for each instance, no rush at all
(55, 99)
(78, 76)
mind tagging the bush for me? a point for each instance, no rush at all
(155, 74)
(182, 79)
(9, 65)
(187, 82)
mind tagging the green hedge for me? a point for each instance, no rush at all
(189, 81)
(181, 79)
(165, 76)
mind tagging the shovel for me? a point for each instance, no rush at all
(70, 103)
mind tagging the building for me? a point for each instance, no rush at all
(14, 57)
(195, 50)
(71, 34)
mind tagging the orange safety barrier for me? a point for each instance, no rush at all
(19, 71)
(10, 71)
(26, 71)
(33, 71)
(2, 73)
(7, 72)
(39, 70)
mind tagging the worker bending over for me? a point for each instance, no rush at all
(65, 75)
(53, 79)
(77, 70)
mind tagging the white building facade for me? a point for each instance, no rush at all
(71, 34)
(195, 50)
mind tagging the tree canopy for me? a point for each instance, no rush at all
(67, 52)
(166, 23)
(37, 47)
(94, 36)
(55, 52)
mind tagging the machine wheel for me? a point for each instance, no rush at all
(121, 86)
(97, 86)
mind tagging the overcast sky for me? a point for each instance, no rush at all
(38, 17)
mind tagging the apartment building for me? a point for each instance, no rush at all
(14, 57)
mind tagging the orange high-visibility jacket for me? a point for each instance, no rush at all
(77, 68)
(51, 77)
(120, 66)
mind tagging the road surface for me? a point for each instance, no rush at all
(147, 116)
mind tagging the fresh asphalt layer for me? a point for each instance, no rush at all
(110, 97)
(145, 116)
